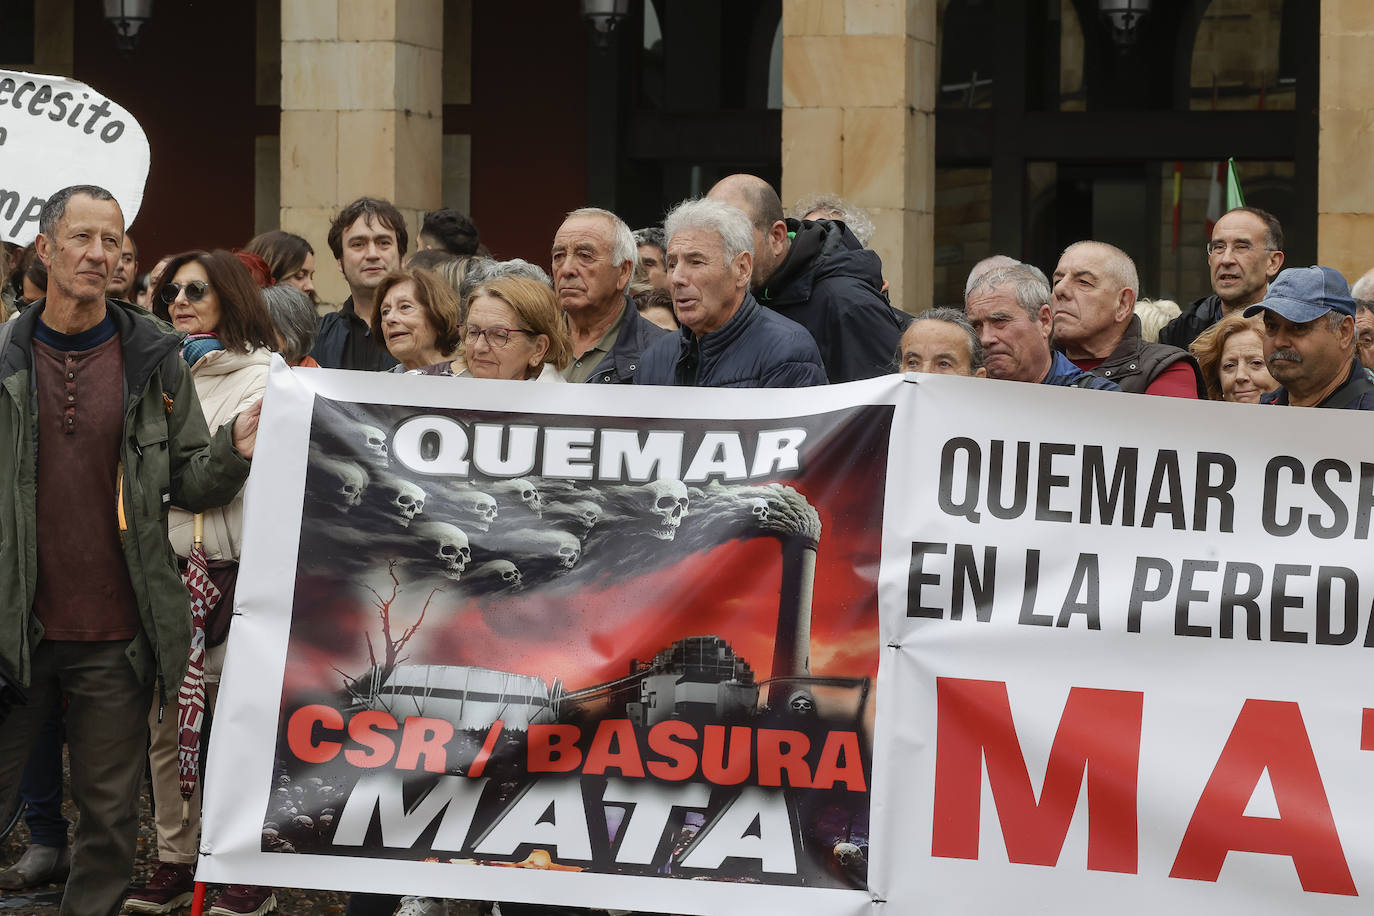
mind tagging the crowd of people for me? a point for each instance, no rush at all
(133, 399)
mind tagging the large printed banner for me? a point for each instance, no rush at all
(916, 644)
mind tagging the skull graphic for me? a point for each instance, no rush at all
(373, 445)
(848, 854)
(407, 502)
(509, 573)
(341, 483)
(758, 507)
(667, 507)
(530, 496)
(447, 544)
(587, 512)
(477, 510)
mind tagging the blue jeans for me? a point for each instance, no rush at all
(41, 785)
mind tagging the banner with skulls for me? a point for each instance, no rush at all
(532, 642)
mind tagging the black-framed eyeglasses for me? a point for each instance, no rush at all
(496, 337)
(195, 291)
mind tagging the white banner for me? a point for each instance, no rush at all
(1119, 642)
(56, 132)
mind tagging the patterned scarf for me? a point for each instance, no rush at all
(197, 345)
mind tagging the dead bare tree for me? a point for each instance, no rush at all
(391, 657)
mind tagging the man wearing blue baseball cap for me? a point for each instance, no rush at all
(1309, 341)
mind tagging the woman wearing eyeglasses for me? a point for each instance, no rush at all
(515, 330)
(211, 297)
(417, 320)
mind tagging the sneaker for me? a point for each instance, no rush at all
(170, 887)
(422, 906)
(244, 900)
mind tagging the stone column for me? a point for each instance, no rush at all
(1345, 184)
(362, 114)
(858, 119)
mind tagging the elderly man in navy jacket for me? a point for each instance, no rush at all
(727, 340)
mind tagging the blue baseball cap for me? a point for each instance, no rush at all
(1303, 294)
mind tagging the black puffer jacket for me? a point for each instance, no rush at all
(754, 349)
(832, 286)
(1195, 319)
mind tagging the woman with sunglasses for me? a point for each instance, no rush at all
(210, 296)
(515, 330)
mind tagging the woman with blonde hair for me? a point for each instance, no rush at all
(1231, 354)
(514, 329)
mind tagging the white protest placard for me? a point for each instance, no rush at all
(1127, 656)
(56, 132)
(614, 647)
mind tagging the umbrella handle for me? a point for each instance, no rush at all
(198, 901)
(198, 530)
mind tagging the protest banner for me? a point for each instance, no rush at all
(567, 644)
(605, 649)
(57, 132)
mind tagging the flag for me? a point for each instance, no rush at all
(1178, 202)
(1224, 189)
(1215, 193)
(191, 695)
(1234, 196)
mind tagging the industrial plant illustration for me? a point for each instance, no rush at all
(421, 563)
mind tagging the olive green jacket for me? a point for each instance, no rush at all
(166, 456)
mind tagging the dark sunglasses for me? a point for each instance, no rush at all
(195, 291)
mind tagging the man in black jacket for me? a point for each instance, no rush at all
(369, 238)
(1244, 256)
(818, 275)
(727, 340)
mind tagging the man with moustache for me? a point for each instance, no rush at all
(1309, 341)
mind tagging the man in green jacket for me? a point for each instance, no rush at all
(101, 431)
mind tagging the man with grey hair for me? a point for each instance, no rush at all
(1009, 308)
(106, 432)
(832, 206)
(593, 259)
(818, 275)
(985, 265)
(942, 342)
(1095, 288)
(1364, 331)
(1363, 288)
(727, 340)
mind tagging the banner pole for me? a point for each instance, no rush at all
(198, 902)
